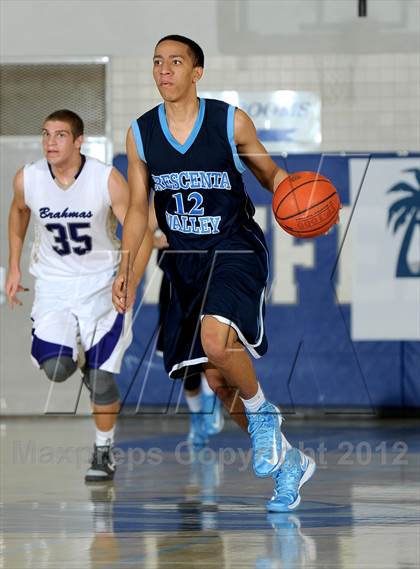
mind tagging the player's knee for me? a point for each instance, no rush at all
(102, 386)
(217, 340)
(59, 369)
(215, 347)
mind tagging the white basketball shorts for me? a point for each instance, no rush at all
(79, 312)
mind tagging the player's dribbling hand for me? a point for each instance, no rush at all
(13, 286)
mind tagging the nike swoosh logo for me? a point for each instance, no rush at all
(275, 458)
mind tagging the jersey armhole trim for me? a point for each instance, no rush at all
(108, 172)
(137, 137)
(25, 188)
(240, 166)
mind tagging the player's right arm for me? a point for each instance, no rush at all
(19, 216)
(135, 225)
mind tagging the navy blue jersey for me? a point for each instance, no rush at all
(200, 199)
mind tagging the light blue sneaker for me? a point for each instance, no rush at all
(268, 444)
(211, 409)
(294, 472)
(197, 436)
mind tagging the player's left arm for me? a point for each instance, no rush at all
(120, 198)
(253, 153)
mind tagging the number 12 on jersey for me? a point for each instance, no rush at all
(196, 208)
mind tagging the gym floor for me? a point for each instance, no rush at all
(169, 508)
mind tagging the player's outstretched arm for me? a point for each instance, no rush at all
(134, 228)
(19, 216)
(253, 153)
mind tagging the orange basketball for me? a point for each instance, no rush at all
(306, 204)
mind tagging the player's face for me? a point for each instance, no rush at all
(173, 70)
(58, 143)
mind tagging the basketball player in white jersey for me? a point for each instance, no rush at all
(75, 201)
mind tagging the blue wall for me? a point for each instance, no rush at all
(312, 360)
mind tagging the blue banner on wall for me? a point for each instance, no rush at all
(313, 360)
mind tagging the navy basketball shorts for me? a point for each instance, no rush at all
(228, 284)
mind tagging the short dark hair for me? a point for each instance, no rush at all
(70, 117)
(197, 53)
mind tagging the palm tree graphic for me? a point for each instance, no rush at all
(406, 209)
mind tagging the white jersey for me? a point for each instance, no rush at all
(74, 228)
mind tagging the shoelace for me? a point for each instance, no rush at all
(101, 455)
(287, 475)
(261, 424)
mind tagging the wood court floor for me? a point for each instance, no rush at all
(167, 508)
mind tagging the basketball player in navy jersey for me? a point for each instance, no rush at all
(206, 417)
(75, 201)
(187, 150)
